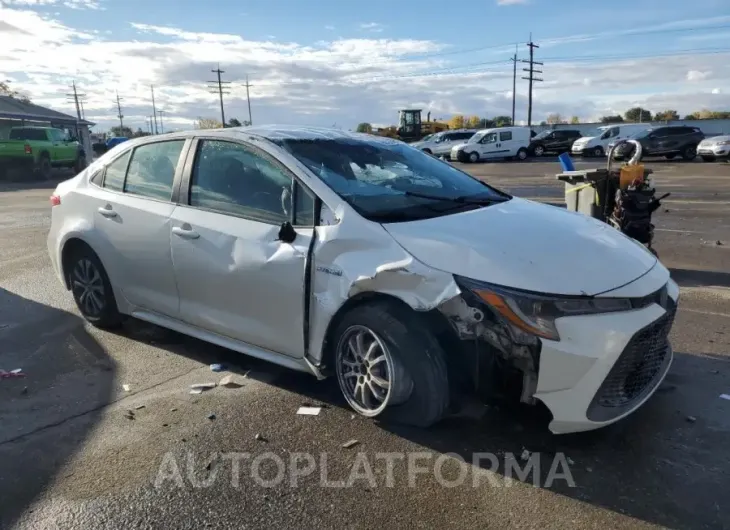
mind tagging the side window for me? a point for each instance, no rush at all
(232, 178)
(114, 174)
(489, 138)
(152, 169)
(304, 208)
(505, 136)
(97, 177)
(465, 135)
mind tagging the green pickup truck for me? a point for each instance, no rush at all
(40, 149)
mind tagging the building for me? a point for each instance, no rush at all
(16, 113)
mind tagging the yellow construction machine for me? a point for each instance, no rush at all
(410, 128)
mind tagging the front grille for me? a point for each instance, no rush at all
(637, 369)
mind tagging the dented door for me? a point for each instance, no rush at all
(235, 279)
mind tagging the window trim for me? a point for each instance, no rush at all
(187, 178)
(175, 176)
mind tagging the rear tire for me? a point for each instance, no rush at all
(409, 384)
(44, 168)
(92, 290)
(538, 150)
(689, 153)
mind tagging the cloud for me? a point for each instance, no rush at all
(329, 28)
(511, 2)
(337, 80)
(696, 75)
(373, 27)
(72, 4)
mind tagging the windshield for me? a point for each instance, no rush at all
(381, 180)
(594, 132)
(541, 135)
(640, 134)
(428, 137)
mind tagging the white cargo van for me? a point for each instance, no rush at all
(596, 142)
(502, 142)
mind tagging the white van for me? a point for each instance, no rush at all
(503, 142)
(595, 143)
(440, 144)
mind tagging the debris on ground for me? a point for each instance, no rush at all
(570, 461)
(139, 407)
(199, 388)
(309, 411)
(260, 438)
(18, 372)
(525, 454)
(126, 388)
(718, 243)
(352, 416)
(217, 367)
(173, 410)
(230, 381)
(725, 396)
(691, 419)
(211, 416)
(350, 443)
(666, 210)
(129, 415)
(24, 391)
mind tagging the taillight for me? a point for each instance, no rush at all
(55, 200)
(28, 149)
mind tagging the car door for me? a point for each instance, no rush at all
(235, 276)
(487, 146)
(505, 144)
(552, 141)
(131, 213)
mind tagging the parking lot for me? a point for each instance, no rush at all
(77, 450)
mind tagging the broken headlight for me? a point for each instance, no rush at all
(536, 313)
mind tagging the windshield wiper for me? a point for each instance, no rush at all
(461, 199)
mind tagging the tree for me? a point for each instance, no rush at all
(124, 132)
(364, 127)
(456, 122)
(233, 122)
(486, 123)
(666, 115)
(5, 90)
(543, 123)
(705, 114)
(554, 119)
(209, 123)
(574, 120)
(502, 121)
(139, 133)
(472, 122)
(637, 114)
(612, 119)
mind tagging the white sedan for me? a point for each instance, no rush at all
(363, 258)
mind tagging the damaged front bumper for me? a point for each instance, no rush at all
(602, 367)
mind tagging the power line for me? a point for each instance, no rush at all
(220, 91)
(531, 78)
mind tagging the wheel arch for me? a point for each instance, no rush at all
(72, 245)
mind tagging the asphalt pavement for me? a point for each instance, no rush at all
(103, 432)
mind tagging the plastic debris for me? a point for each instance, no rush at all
(129, 415)
(525, 454)
(173, 410)
(211, 416)
(216, 367)
(196, 390)
(725, 396)
(718, 243)
(350, 443)
(139, 407)
(260, 438)
(570, 461)
(199, 388)
(352, 416)
(229, 382)
(126, 388)
(691, 419)
(18, 372)
(309, 411)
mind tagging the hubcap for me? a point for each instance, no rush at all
(88, 287)
(364, 370)
(474, 157)
(522, 155)
(598, 151)
(539, 151)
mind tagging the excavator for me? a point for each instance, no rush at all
(410, 127)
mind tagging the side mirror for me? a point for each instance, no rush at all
(287, 234)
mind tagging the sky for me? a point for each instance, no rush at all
(342, 62)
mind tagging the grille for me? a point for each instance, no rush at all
(636, 369)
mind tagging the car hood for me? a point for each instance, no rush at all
(527, 245)
(457, 147)
(584, 139)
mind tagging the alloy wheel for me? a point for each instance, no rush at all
(88, 288)
(539, 150)
(365, 370)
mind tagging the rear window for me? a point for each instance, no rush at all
(27, 134)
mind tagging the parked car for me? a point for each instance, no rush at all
(348, 255)
(553, 141)
(40, 149)
(440, 144)
(667, 141)
(714, 148)
(491, 144)
(596, 143)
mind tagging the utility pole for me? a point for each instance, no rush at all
(76, 97)
(248, 99)
(219, 89)
(531, 77)
(120, 115)
(154, 110)
(161, 112)
(514, 84)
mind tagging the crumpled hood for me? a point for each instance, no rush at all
(527, 245)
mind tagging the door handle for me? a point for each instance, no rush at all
(185, 232)
(107, 212)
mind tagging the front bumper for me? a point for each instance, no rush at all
(582, 151)
(717, 151)
(607, 366)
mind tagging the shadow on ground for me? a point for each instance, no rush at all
(68, 375)
(698, 278)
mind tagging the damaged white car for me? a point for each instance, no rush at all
(360, 257)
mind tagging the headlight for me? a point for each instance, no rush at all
(536, 313)
(724, 142)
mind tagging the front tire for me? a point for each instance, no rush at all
(387, 369)
(522, 154)
(598, 151)
(44, 166)
(92, 290)
(538, 150)
(689, 153)
(474, 157)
